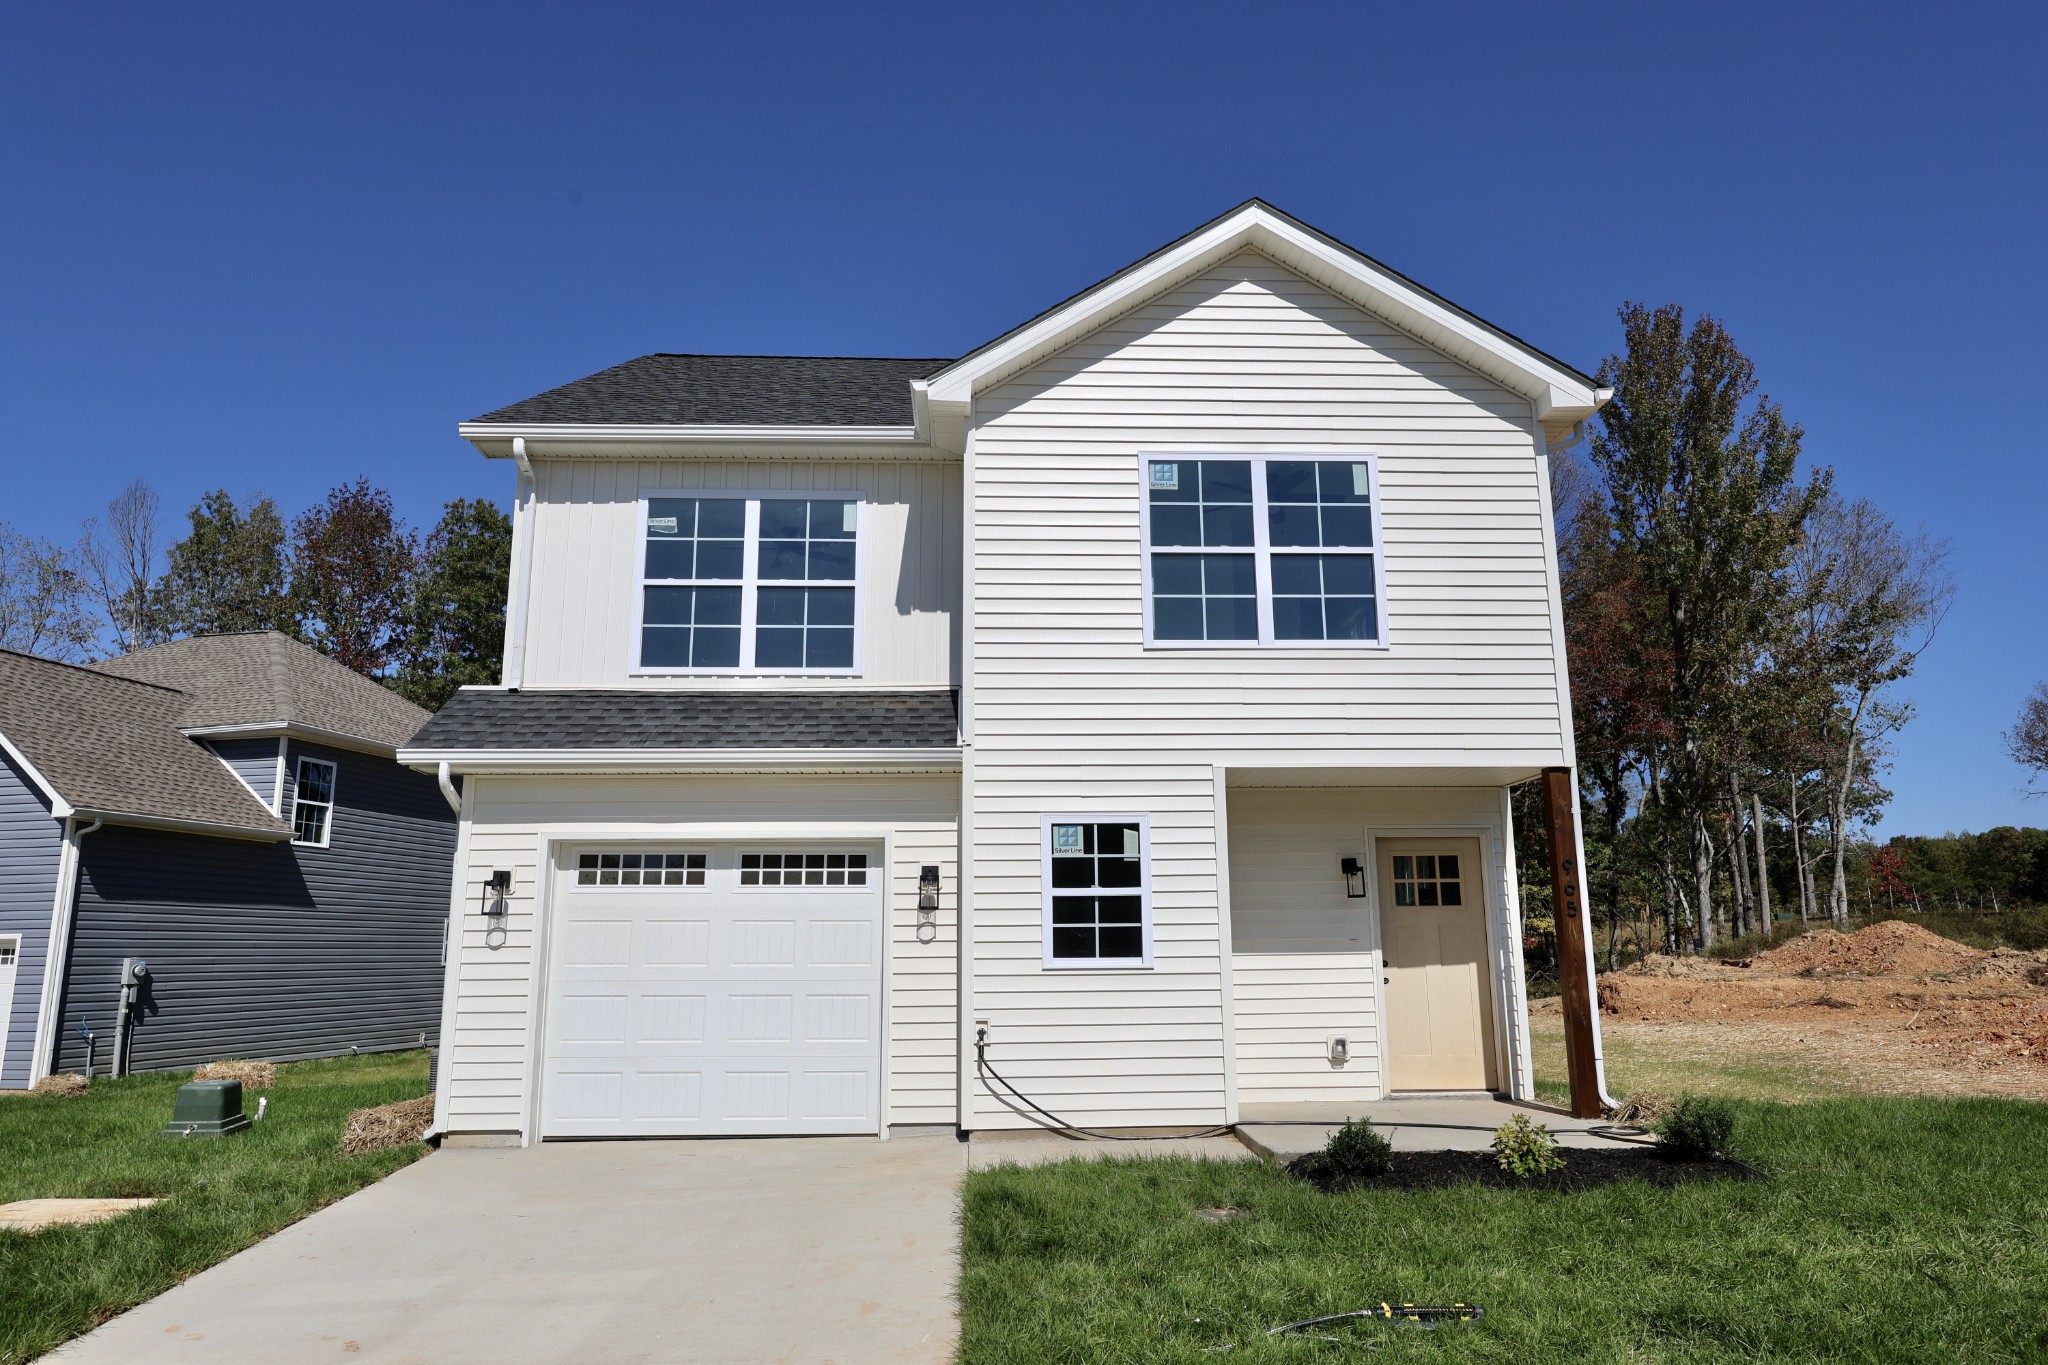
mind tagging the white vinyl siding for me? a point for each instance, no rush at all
(487, 1053)
(1306, 961)
(1069, 709)
(585, 602)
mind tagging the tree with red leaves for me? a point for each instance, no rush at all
(352, 563)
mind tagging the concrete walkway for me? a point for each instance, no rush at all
(786, 1249)
(1462, 1123)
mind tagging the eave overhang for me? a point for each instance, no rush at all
(1559, 394)
(825, 760)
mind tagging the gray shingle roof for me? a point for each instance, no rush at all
(480, 718)
(733, 390)
(111, 746)
(267, 678)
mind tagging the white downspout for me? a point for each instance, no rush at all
(63, 910)
(448, 792)
(1607, 1101)
(514, 673)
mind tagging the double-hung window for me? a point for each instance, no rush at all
(749, 585)
(1098, 891)
(313, 803)
(1265, 550)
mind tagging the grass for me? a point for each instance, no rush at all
(1667, 1065)
(1889, 1230)
(219, 1195)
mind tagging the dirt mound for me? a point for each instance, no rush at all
(2010, 964)
(1892, 948)
(1685, 968)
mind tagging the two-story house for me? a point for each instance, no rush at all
(1139, 694)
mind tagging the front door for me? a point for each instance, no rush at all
(1433, 931)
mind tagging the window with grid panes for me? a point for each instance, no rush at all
(640, 869)
(1096, 899)
(1265, 550)
(749, 585)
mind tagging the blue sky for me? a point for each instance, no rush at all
(277, 247)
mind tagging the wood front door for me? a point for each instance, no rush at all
(1433, 930)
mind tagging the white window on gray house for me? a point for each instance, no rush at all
(1266, 550)
(313, 803)
(1098, 892)
(749, 585)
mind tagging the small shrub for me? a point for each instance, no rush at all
(1524, 1148)
(1699, 1129)
(1356, 1152)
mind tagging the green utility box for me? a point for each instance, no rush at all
(207, 1109)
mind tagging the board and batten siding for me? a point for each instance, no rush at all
(255, 762)
(1069, 712)
(588, 548)
(269, 950)
(1306, 962)
(488, 1060)
(31, 842)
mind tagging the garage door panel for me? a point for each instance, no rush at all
(713, 1008)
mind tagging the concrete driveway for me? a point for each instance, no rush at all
(774, 1249)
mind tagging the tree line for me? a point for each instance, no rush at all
(423, 615)
(1736, 626)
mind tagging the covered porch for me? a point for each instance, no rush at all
(1374, 938)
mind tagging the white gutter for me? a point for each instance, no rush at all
(57, 957)
(649, 431)
(448, 792)
(170, 822)
(523, 495)
(682, 760)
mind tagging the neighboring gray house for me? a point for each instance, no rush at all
(227, 809)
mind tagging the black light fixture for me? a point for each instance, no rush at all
(495, 890)
(1354, 878)
(928, 903)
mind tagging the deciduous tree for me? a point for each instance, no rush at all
(455, 620)
(230, 572)
(43, 606)
(351, 559)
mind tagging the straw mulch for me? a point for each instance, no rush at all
(61, 1085)
(388, 1125)
(252, 1075)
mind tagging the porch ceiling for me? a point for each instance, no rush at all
(1495, 776)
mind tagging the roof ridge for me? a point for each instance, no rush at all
(95, 670)
(764, 355)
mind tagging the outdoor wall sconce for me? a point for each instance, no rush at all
(1354, 878)
(927, 903)
(492, 897)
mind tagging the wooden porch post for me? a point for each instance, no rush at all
(1574, 967)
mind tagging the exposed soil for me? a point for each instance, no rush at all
(1905, 1010)
(1584, 1169)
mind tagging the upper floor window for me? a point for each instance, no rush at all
(1266, 550)
(313, 803)
(749, 585)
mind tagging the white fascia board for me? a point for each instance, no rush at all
(310, 733)
(479, 432)
(115, 817)
(59, 807)
(1372, 288)
(681, 760)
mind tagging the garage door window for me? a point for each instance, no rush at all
(803, 869)
(640, 869)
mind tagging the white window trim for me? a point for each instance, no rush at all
(333, 791)
(1094, 964)
(1261, 548)
(579, 888)
(750, 564)
(871, 882)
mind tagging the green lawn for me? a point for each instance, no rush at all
(1889, 1230)
(220, 1195)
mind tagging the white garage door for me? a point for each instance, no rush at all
(714, 989)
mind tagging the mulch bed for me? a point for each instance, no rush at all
(1584, 1169)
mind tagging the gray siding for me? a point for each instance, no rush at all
(254, 761)
(271, 951)
(30, 841)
